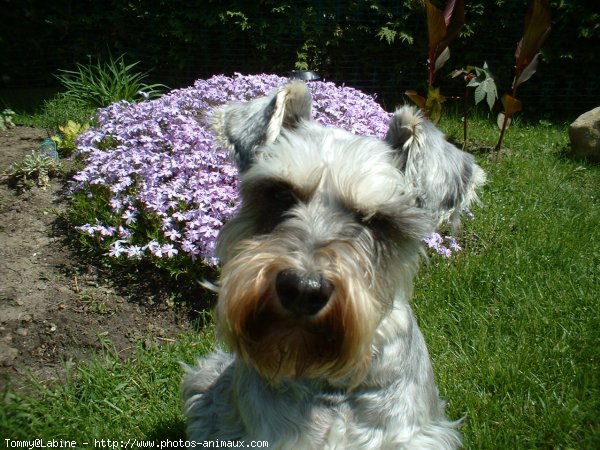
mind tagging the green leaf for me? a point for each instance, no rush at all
(480, 93)
(458, 72)
(491, 92)
(485, 85)
(405, 37)
(387, 34)
(433, 105)
(486, 89)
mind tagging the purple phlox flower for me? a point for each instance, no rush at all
(453, 244)
(172, 234)
(159, 157)
(437, 243)
(115, 202)
(116, 249)
(154, 247)
(433, 240)
(169, 250)
(87, 228)
(188, 247)
(129, 216)
(106, 231)
(124, 233)
(134, 252)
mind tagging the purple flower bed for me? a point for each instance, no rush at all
(158, 161)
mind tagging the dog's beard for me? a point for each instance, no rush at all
(333, 344)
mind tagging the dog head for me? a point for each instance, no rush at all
(325, 243)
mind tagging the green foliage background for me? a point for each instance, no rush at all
(376, 45)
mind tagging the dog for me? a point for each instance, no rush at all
(445, 178)
(313, 304)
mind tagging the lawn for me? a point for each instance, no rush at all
(512, 322)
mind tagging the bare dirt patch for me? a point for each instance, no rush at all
(57, 306)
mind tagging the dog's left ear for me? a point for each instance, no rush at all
(247, 126)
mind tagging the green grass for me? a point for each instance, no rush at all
(108, 398)
(512, 322)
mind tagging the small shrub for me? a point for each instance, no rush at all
(482, 80)
(6, 119)
(65, 140)
(34, 169)
(58, 110)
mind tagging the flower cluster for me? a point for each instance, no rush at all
(443, 245)
(160, 157)
(157, 162)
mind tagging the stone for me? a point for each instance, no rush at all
(7, 354)
(584, 134)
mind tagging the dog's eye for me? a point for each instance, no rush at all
(378, 223)
(279, 198)
(275, 200)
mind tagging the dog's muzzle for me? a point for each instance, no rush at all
(301, 294)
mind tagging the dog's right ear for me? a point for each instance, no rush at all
(406, 132)
(246, 126)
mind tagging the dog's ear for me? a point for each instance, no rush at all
(406, 129)
(246, 126)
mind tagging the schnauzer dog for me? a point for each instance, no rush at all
(316, 278)
(445, 178)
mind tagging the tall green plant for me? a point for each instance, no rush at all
(482, 80)
(536, 30)
(98, 85)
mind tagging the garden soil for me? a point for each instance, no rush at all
(58, 306)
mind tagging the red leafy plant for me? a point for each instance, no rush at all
(535, 32)
(443, 27)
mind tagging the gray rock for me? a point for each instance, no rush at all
(584, 134)
(7, 354)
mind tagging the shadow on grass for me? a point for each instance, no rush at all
(172, 430)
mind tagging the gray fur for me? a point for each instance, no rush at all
(396, 407)
(323, 203)
(445, 178)
(247, 126)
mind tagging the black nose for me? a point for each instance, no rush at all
(303, 295)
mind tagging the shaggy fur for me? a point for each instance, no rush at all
(445, 178)
(316, 278)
